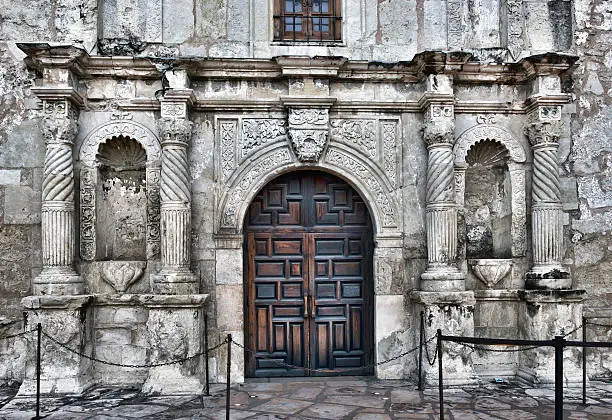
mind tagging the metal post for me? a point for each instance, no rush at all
(39, 339)
(440, 379)
(584, 373)
(206, 354)
(559, 344)
(229, 371)
(420, 388)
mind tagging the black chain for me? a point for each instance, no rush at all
(474, 347)
(290, 366)
(93, 359)
(7, 337)
(597, 325)
(572, 331)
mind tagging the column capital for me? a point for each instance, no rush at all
(174, 131)
(439, 125)
(544, 133)
(59, 122)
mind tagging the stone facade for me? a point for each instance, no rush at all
(135, 134)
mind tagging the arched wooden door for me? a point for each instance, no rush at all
(308, 286)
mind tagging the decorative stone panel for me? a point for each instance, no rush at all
(309, 132)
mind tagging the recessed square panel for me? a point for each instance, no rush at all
(351, 290)
(329, 247)
(346, 268)
(270, 269)
(331, 310)
(355, 247)
(291, 290)
(326, 290)
(274, 197)
(296, 268)
(322, 269)
(265, 291)
(341, 198)
(287, 247)
(261, 247)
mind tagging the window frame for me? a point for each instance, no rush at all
(307, 16)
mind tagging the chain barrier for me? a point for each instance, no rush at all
(8, 337)
(598, 325)
(478, 348)
(105, 362)
(281, 363)
(572, 331)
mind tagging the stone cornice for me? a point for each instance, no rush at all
(460, 64)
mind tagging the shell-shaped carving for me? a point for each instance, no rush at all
(490, 271)
(122, 274)
(122, 153)
(487, 153)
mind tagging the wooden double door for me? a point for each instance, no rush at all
(308, 268)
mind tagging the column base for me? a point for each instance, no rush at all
(67, 319)
(58, 281)
(548, 277)
(453, 313)
(550, 313)
(175, 330)
(168, 282)
(442, 279)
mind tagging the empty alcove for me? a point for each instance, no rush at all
(488, 201)
(121, 200)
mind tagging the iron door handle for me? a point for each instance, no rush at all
(306, 308)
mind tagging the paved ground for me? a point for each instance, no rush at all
(322, 398)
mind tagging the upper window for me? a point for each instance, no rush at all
(307, 20)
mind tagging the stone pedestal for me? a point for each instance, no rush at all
(175, 330)
(453, 313)
(549, 313)
(68, 320)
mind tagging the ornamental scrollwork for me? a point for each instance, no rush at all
(227, 138)
(308, 132)
(88, 213)
(389, 133)
(258, 132)
(361, 133)
(237, 196)
(359, 170)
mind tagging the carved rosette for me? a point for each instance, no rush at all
(309, 132)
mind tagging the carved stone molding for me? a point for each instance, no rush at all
(360, 170)
(481, 132)
(389, 137)
(359, 133)
(439, 127)
(309, 132)
(549, 113)
(227, 140)
(455, 24)
(238, 194)
(87, 226)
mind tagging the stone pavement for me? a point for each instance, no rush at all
(317, 398)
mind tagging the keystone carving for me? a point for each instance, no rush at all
(309, 133)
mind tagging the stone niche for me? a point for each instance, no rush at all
(119, 208)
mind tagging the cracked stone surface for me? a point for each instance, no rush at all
(320, 398)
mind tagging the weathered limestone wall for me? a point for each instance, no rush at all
(587, 168)
(22, 151)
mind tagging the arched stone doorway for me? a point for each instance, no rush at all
(309, 306)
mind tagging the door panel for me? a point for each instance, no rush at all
(309, 275)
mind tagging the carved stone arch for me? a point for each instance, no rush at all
(517, 157)
(247, 182)
(89, 181)
(481, 132)
(129, 129)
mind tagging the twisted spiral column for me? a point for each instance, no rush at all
(441, 212)
(57, 220)
(546, 210)
(175, 276)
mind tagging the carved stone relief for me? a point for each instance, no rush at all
(227, 140)
(358, 169)
(455, 24)
(389, 135)
(89, 178)
(487, 132)
(259, 132)
(514, 24)
(237, 195)
(359, 133)
(309, 132)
